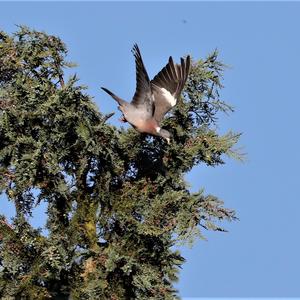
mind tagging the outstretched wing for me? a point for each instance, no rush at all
(167, 86)
(143, 98)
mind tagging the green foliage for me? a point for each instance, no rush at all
(117, 200)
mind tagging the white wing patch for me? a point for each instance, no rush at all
(168, 96)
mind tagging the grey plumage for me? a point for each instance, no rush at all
(153, 99)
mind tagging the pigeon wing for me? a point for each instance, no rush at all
(167, 86)
(143, 97)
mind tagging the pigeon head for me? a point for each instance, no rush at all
(165, 134)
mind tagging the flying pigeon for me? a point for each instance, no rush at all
(153, 99)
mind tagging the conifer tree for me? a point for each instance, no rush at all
(117, 201)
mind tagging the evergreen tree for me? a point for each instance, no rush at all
(117, 199)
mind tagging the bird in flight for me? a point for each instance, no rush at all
(153, 98)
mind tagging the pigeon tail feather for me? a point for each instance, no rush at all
(118, 99)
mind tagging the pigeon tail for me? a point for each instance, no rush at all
(118, 99)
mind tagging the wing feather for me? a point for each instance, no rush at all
(143, 94)
(167, 86)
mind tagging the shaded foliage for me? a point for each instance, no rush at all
(117, 200)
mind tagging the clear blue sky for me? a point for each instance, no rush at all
(259, 257)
